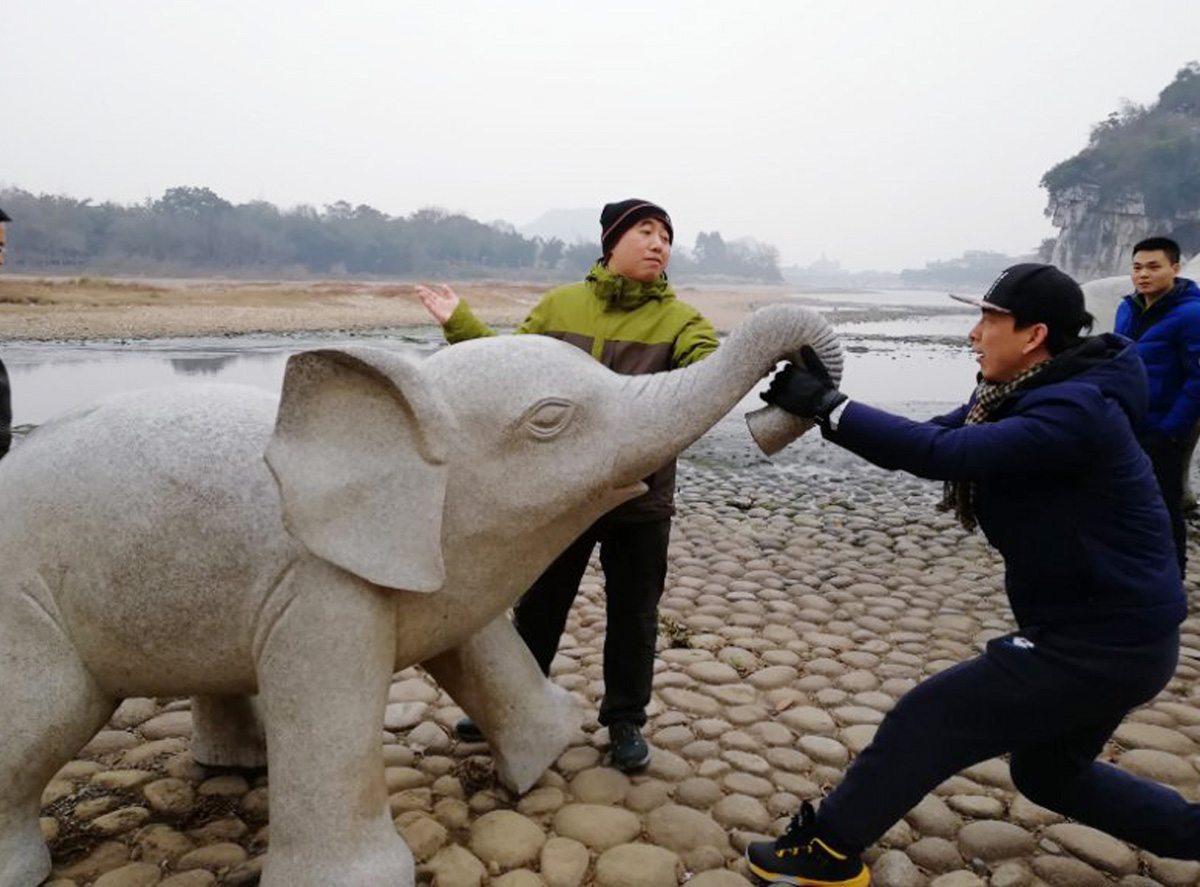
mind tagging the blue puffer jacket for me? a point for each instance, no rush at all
(1065, 493)
(1168, 338)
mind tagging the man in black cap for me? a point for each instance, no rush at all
(1045, 459)
(5, 395)
(625, 315)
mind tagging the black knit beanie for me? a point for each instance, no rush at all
(617, 218)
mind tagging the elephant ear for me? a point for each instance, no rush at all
(359, 453)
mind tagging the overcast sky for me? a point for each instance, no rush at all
(880, 133)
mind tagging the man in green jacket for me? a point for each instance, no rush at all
(625, 315)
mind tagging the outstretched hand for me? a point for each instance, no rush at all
(806, 391)
(439, 301)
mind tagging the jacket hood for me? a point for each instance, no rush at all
(1108, 362)
(622, 294)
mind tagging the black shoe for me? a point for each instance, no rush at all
(468, 731)
(801, 857)
(627, 749)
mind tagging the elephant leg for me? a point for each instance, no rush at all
(50, 706)
(227, 731)
(527, 720)
(324, 667)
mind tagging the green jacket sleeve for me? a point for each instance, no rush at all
(696, 341)
(536, 321)
(463, 325)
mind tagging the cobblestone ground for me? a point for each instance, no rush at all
(805, 596)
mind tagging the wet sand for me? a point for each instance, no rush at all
(88, 308)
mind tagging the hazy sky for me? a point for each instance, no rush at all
(881, 133)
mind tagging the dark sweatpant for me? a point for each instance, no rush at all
(633, 556)
(5, 411)
(1166, 457)
(1049, 702)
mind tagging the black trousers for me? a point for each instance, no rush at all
(1050, 703)
(5, 411)
(633, 556)
(1166, 456)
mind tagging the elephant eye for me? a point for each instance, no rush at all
(548, 417)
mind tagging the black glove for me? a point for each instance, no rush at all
(805, 391)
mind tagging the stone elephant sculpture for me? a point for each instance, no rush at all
(147, 548)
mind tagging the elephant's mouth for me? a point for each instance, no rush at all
(625, 493)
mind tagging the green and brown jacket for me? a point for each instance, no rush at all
(630, 327)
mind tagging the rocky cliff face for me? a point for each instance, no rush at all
(1095, 237)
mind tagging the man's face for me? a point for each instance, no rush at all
(1153, 273)
(1004, 351)
(642, 252)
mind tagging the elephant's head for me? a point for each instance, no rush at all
(504, 449)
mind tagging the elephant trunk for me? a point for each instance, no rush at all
(683, 404)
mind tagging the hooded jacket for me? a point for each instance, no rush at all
(1168, 340)
(1065, 492)
(630, 327)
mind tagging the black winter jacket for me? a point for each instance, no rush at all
(1065, 492)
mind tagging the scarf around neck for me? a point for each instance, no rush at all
(622, 294)
(960, 496)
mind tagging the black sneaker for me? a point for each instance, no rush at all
(801, 857)
(468, 731)
(627, 749)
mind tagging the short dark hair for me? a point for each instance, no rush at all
(1155, 244)
(4, 217)
(1059, 337)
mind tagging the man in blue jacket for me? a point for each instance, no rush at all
(1162, 315)
(1045, 459)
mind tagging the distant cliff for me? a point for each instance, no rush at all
(1139, 176)
(1095, 236)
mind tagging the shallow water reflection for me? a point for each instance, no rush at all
(51, 378)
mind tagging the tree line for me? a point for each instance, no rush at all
(193, 230)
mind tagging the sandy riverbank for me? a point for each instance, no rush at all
(86, 308)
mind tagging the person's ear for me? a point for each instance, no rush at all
(1038, 333)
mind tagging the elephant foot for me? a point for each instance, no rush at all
(527, 744)
(24, 859)
(527, 720)
(387, 864)
(227, 731)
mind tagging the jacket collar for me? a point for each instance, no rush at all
(622, 294)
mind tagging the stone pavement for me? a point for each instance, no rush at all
(804, 597)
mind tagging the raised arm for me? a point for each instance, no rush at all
(455, 316)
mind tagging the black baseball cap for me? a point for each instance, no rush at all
(1035, 293)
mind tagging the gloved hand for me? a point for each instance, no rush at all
(805, 391)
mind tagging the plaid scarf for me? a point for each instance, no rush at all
(960, 496)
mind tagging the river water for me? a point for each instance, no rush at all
(901, 346)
